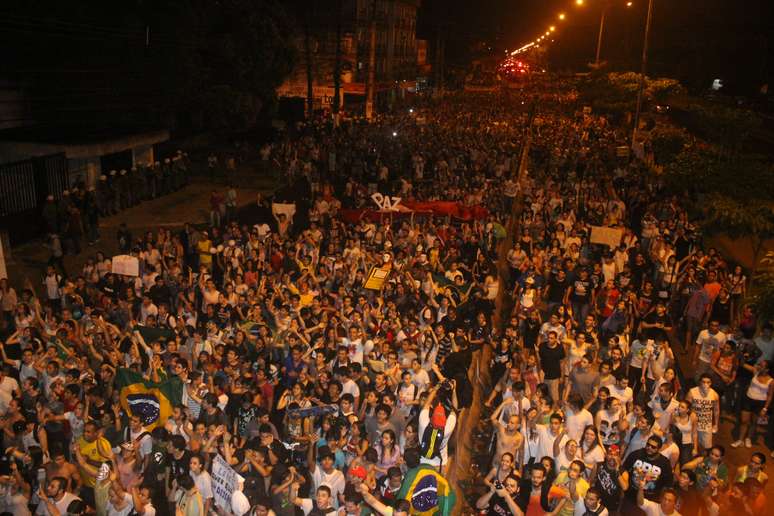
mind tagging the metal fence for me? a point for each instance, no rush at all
(24, 186)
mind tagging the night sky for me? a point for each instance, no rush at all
(693, 41)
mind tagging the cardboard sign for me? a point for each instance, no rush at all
(607, 236)
(288, 210)
(385, 202)
(224, 482)
(376, 278)
(125, 265)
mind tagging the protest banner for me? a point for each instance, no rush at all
(376, 278)
(125, 265)
(224, 482)
(606, 236)
(287, 209)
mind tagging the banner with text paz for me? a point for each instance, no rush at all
(224, 482)
(606, 236)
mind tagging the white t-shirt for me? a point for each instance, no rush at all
(350, 387)
(9, 385)
(623, 395)
(577, 422)
(334, 480)
(61, 505)
(703, 407)
(127, 508)
(546, 441)
(307, 505)
(709, 344)
(652, 508)
(203, 483)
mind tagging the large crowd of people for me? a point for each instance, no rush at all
(260, 343)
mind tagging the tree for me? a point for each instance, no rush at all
(748, 219)
(728, 128)
(762, 289)
(667, 142)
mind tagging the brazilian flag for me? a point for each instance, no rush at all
(152, 401)
(427, 492)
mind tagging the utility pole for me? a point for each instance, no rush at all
(335, 105)
(599, 38)
(371, 80)
(439, 57)
(643, 69)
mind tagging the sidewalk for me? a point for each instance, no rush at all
(191, 204)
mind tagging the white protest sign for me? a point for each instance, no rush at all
(385, 202)
(607, 236)
(286, 209)
(224, 482)
(126, 265)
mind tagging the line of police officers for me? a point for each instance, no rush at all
(122, 189)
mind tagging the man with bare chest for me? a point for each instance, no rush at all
(59, 467)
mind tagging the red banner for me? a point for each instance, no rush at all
(440, 208)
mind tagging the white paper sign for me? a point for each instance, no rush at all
(385, 202)
(607, 236)
(288, 210)
(224, 482)
(126, 265)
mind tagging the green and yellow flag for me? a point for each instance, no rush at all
(427, 492)
(151, 401)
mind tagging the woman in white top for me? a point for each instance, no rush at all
(756, 402)
(608, 421)
(575, 349)
(592, 452)
(570, 453)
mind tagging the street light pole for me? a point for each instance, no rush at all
(643, 69)
(601, 31)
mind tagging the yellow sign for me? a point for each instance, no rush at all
(376, 277)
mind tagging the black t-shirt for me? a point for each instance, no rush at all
(179, 466)
(607, 483)
(498, 507)
(531, 332)
(556, 289)
(657, 470)
(581, 291)
(657, 333)
(550, 361)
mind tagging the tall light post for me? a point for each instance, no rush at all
(608, 4)
(601, 31)
(643, 69)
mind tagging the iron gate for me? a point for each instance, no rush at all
(24, 186)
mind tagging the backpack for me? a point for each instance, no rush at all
(432, 438)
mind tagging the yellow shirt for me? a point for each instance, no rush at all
(91, 452)
(191, 503)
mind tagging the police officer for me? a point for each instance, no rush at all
(156, 179)
(138, 185)
(123, 190)
(150, 189)
(103, 194)
(166, 176)
(115, 195)
(51, 215)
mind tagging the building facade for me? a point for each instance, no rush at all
(395, 51)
